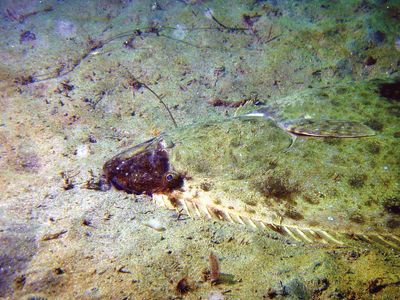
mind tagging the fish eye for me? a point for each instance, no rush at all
(169, 177)
(172, 180)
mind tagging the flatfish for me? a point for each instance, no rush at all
(328, 187)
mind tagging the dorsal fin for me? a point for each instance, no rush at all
(305, 235)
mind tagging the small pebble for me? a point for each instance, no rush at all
(82, 151)
(92, 139)
(217, 295)
(59, 271)
(122, 269)
(27, 36)
(154, 224)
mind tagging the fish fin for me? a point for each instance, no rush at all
(328, 128)
(293, 139)
(391, 241)
(264, 112)
(307, 235)
(299, 234)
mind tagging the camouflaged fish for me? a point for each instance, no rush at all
(241, 170)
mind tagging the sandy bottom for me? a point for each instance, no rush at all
(69, 102)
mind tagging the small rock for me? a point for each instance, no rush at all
(92, 139)
(154, 224)
(19, 282)
(82, 151)
(352, 255)
(216, 295)
(27, 36)
(59, 271)
(124, 270)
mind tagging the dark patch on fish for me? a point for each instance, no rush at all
(392, 205)
(390, 91)
(357, 218)
(374, 124)
(277, 187)
(292, 213)
(393, 223)
(357, 180)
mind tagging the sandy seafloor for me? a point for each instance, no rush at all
(67, 106)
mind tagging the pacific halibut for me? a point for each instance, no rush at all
(241, 170)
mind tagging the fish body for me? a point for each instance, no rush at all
(239, 170)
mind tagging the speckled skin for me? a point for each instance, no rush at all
(323, 183)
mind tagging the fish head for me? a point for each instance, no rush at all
(143, 169)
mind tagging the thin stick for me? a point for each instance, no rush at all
(136, 85)
(215, 272)
(209, 14)
(162, 103)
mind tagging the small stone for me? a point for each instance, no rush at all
(124, 270)
(154, 224)
(59, 271)
(92, 139)
(27, 36)
(82, 151)
(216, 295)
